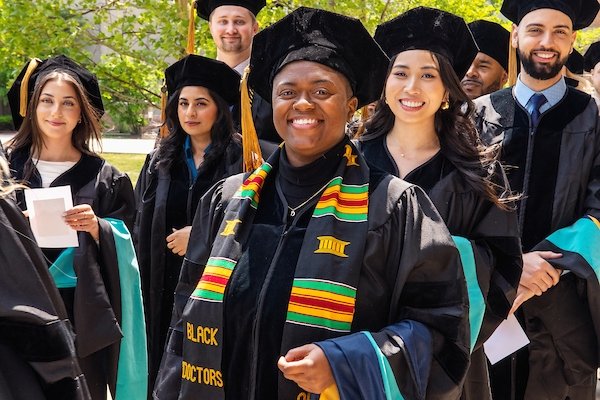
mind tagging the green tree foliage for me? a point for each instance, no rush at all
(129, 43)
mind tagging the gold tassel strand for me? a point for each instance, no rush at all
(164, 130)
(512, 63)
(24, 92)
(252, 154)
(190, 48)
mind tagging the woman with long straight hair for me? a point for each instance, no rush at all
(421, 132)
(56, 107)
(200, 149)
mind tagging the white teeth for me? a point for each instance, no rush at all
(545, 55)
(304, 121)
(412, 104)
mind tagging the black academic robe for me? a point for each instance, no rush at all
(396, 285)
(168, 200)
(94, 305)
(493, 234)
(37, 349)
(556, 168)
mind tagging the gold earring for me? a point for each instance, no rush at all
(445, 105)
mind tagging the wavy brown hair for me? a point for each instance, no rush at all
(459, 140)
(29, 134)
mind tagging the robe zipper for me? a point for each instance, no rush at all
(527, 171)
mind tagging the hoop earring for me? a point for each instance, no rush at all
(445, 105)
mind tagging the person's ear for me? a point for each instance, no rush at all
(514, 36)
(503, 79)
(352, 107)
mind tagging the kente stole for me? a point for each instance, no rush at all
(323, 294)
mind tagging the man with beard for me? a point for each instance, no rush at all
(232, 25)
(549, 136)
(488, 72)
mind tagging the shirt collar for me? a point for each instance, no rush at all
(553, 94)
(242, 66)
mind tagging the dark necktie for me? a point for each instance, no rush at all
(533, 107)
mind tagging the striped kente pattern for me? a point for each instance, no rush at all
(348, 203)
(214, 280)
(251, 187)
(322, 304)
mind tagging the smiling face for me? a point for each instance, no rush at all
(232, 28)
(196, 110)
(485, 75)
(414, 90)
(58, 110)
(544, 40)
(311, 105)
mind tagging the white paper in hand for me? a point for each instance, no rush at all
(46, 207)
(506, 339)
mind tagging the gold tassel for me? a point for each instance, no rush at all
(252, 154)
(190, 48)
(164, 130)
(24, 93)
(512, 63)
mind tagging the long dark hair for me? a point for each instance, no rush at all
(29, 134)
(459, 140)
(221, 133)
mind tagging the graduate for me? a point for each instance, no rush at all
(549, 136)
(232, 25)
(56, 107)
(200, 149)
(489, 70)
(37, 349)
(421, 133)
(317, 274)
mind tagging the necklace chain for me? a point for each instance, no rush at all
(293, 210)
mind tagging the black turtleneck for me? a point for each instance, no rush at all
(300, 183)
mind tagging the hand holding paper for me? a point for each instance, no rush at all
(82, 218)
(46, 207)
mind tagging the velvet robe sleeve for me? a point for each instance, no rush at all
(496, 245)
(423, 352)
(97, 302)
(207, 220)
(34, 328)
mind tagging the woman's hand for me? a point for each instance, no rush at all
(308, 367)
(178, 240)
(82, 218)
(523, 294)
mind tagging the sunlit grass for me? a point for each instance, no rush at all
(129, 163)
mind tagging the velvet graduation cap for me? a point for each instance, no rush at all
(492, 39)
(592, 56)
(21, 90)
(424, 28)
(337, 41)
(581, 12)
(195, 70)
(206, 7)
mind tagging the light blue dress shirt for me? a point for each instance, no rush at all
(553, 94)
